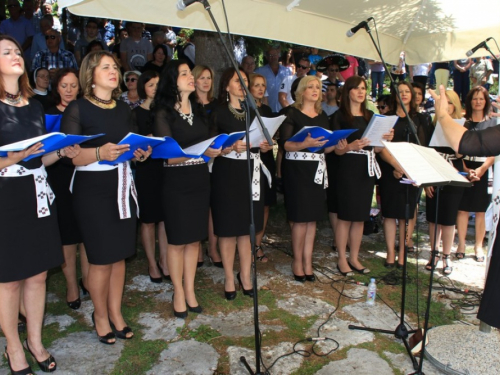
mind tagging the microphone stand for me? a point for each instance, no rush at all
(247, 104)
(401, 331)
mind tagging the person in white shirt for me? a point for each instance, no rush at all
(284, 94)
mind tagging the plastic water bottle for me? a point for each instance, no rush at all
(371, 293)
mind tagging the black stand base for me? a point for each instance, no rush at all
(401, 332)
(247, 366)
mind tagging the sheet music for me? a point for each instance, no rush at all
(271, 123)
(378, 126)
(438, 139)
(21, 145)
(199, 148)
(424, 165)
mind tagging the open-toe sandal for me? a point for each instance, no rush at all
(479, 256)
(434, 257)
(24, 371)
(447, 268)
(44, 365)
(261, 258)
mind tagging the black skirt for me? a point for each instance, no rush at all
(60, 176)
(230, 197)
(476, 198)
(107, 238)
(148, 181)
(449, 201)
(305, 200)
(186, 200)
(30, 245)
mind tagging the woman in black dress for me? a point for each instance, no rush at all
(66, 89)
(28, 225)
(160, 54)
(356, 172)
(186, 182)
(258, 89)
(392, 192)
(230, 185)
(449, 196)
(478, 143)
(204, 84)
(304, 177)
(107, 221)
(476, 198)
(148, 180)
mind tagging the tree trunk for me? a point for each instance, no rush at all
(210, 52)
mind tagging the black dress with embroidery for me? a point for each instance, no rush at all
(230, 196)
(29, 244)
(60, 175)
(107, 238)
(354, 190)
(304, 198)
(392, 192)
(185, 189)
(487, 143)
(148, 174)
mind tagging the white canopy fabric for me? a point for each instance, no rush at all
(427, 30)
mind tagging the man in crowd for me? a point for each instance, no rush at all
(39, 43)
(33, 13)
(92, 31)
(285, 95)
(248, 64)
(334, 77)
(480, 73)
(17, 26)
(329, 105)
(54, 58)
(135, 51)
(274, 73)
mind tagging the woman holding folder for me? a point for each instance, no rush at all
(230, 185)
(107, 220)
(304, 174)
(31, 244)
(186, 182)
(356, 172)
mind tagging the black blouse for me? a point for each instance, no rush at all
(296, 120)
(481, 143)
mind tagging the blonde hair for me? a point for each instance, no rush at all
(198, 71)
(86, 76)
(300, 92)
(455, 100)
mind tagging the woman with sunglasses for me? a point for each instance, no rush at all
(131, 96)
(383, 102)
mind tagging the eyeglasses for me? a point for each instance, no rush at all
(381, 106)
(43, 76)
(333, 70)
(47, 37)
(302, 66)
(130, 79)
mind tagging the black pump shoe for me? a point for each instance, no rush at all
(216, 264)
(311, 278)
(106, 339)
(299, 278)
(75, 305)
(230, 295)
(84, 290)
(197, 309)
(24, 371)
(246, 292)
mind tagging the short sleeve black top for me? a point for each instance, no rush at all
(296, 120)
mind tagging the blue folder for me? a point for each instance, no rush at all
(316, 131)
(135, 141)
(53, 123)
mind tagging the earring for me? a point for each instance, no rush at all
(93, 86)
(227, 96)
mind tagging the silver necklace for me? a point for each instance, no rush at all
(189, 118)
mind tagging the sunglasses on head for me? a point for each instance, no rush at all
(302, 66)
(381, 106)
(47, 37)
(130, 79)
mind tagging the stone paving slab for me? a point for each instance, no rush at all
(4, 370)
(142, 283)
(359, 362)
(304, 306)
(403, 363)
(235, 324)
(284, 366)
(379, 316)
(186, 358)
(64, 321)
(157, 328)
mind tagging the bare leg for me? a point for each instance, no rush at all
(355, 237)
(116, 286)
(98, 284)
(299, 231)
(175, 256)
(462, 223)
(9, 312)
(227, 246)
(411, 227)
(84, 263)
(480, 229)
(390, 239)
(333, 222)
(212, 240)
(69, 270)
(190, 260)
(402, 228)
(309, 247)
(163, 245)
(341, 235)
(245, 254)
(200, 254)
(447, 234)
(260, 235)
(149, 243)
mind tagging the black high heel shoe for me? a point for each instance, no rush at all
(123, 333)
(216, 264)
(84, 290)
(24, 371)
(44, 365)
(166, 277)
(197, 309)
(179, 314)
(246, 292)
(75, 305)
(230, 295)
(311, 278)
(104, 339)
(156, 280)
(301, 278)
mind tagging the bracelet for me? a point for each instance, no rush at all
(58, 153)
(97, 156)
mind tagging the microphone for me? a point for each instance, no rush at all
(469, 53)
(183, 4)
(361, 25)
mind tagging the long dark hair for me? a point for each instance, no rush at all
(145, 77)
(167, 94)
(394, 102)
(345, 101)
(224, 82)
(468, 101)
(61, 73)
(165, 51)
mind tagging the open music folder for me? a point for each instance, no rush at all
(424, 166)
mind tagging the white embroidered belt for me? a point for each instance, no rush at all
(126, 184)
(481, 159)
(258, 165)
(321, 176)
(44, 194)
(373, 167)
(448, 157)
(185, 163)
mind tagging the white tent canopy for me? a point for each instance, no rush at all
(427, 30)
